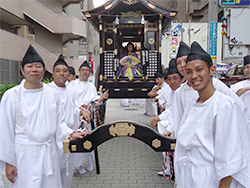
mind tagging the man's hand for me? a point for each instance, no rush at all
(76, 136)
(155, 99)
(154, 121)
(162, 107)
(86, 114)
(166, 133)
(105, 95)
(242, 91)
(11, 172)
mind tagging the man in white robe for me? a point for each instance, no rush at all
(32, 128)
(242, 88)
(72, 75)
(164, 121)
(212, 148)
(67, 161)
(84, 93)
(150, 104)
(186, 94)
(162, 94)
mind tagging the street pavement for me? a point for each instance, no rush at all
(124, 161)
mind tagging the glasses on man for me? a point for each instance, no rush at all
(84, 70)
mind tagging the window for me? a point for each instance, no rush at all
(10, 71)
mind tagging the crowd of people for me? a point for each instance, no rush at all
(35, 118)
(209, 120)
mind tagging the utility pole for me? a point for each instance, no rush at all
(213, 22)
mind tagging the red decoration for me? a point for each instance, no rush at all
(70, 136)
(120, 33)
(139, 32)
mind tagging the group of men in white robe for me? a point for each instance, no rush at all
(35, 118)
(212, 137)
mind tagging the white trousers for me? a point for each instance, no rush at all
(161, 128)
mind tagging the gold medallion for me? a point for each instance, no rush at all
(122, 129)
(151, 41)
(109, 41)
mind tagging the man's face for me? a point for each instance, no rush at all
(60, 74)
(247, 70)
(174, 81)
(84, 73)
(33, 72)
(159, 81)
(181, 65)
(71, 77)
(198, 74)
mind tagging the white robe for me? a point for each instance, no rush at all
(84, 92)
(166, 117)
(151, 106)
(245, 97)
(212, 143)
(32, 129)
(72, 112)
(186, 94)
(239, 85)
(163, 94)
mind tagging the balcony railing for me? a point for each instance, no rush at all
(14, 43)
(55, 23)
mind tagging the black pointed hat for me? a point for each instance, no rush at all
(72, 70)
(31, 56)
(198, 53)
(174, 71)
(165, 73)
(86, 64)
(246, 60)
(158, 75)
(172, 63)
(60, 61)
(172, 67)
(183, 50)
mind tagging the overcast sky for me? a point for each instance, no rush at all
(98, 3)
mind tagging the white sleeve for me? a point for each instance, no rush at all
(7, 130)
(236, 87)
(231, 143)
(178, 110)
(63, 131)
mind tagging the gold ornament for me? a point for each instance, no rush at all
(156, 143)
(122, 129)
(130, 2)
(151, 41)
(128, 14)
(87, 145)
(109, 41)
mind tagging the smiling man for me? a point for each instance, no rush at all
(72, 114)
(212, 148)
(85, 93)
(32, 128)
(186, 94)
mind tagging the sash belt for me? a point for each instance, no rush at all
(47, 158)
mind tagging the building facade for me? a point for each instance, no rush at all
(41, 23)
